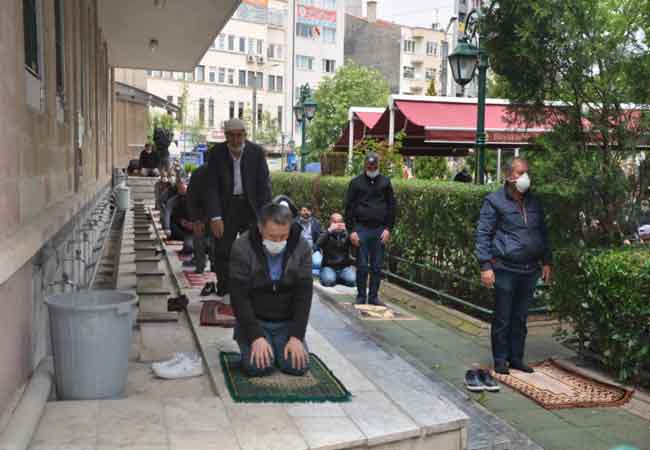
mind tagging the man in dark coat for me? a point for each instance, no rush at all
(511, 245)
(271, 291)
(239, 185)
(196, 203)
(335, 246)
(149, 162)
(370, 209)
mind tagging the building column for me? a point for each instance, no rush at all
(391, 125)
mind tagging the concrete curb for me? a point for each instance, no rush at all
(27, 415)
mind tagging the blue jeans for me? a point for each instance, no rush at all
(370, 260)
(513, 294)
(346, 276)
(276, 334)
(316, 261)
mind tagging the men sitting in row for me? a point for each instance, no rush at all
(311, 231)
(338, 266)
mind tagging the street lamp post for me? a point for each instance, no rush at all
(304, 109)
(464, 61)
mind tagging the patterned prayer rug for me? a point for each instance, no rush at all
(198, 280)
(318, 385)
(372, 312)
(216, 313)
(555, 387)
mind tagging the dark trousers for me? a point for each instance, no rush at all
(370, 260)
(180, 234)
(513, 294)
(239, 218)
(203, 246)
(277, 335)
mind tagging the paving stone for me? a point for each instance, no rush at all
(330, 433)
(267, 427)
(205, 414)
(72, 422)
(131, 422)
(223, 439)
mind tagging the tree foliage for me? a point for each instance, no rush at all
(352, 85)
(592, 56)
(431, 89)
(431, 168)
(266, 133)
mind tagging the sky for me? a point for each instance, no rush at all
(415, 12)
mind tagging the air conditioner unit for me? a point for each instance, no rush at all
(260, 60)
(250, 59)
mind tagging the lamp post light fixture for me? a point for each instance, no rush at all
(468, 56)
(305, 109)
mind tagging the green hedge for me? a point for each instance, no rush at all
(435, 226)
(605, 295)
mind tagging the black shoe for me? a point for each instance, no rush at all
(487, 380)
(188, 263)
(473, 382)
(208, 289)
(377, 302)
(199, 270)
(501, 368)
(520, 366)
(177, 303)
(361, 301)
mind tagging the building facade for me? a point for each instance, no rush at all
(454, 31)
(410, 58)
(255, 67)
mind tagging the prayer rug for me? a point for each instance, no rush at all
(318, 385)
(217, 314)
(198, 280)
(555, 387)
(373, 312)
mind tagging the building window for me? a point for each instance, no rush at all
(280, 117)
(170, 99)
(274, 51)
(231, 42)
(260, 115)
(409, 72)
(167, 75)
(60, 47)
(200, 73)
(329, 35)
(156, 73)
(211, 113)
(278, 83)
(409, 46)
(430, 74)
(271, 84)
(213, 45)
(212, 75)
(304, 30)
(231, 110)
(329, 65)
(329, 4)
(304, 62)
(177, 76)
(149, 73)
(240, 110)
(222, 41)
(202, 111)
(242, 44)
(260, 80)
(251, 78)
(432, 48)
(231, 76)
(242, 78)
(260, 44)
(251, 45)
(189, 76)
(222, 75)
(32, 44)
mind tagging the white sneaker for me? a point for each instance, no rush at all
(178, 357)
(184, 368)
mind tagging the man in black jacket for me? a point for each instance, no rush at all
(334, 243)
(196, 203)
(238, 186)
(149, 162)
(370, 209)
(511, 242)
(271, 291)
(181, 221)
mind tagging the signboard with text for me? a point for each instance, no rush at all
(311, 15)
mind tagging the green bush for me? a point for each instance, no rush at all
(605, 295)
(435, 226)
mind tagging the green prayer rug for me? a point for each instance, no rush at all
(318, 385)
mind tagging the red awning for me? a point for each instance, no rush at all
(366, 120)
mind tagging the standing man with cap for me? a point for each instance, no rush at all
(239, 185)
(370, 209)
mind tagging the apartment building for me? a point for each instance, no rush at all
(408, 57)
(258, 63)
(456, 30)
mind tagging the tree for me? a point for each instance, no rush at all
(592, 56)
(352, 85)
(431, 168)
(196, 132)
(431, 90)
(157, 119)
(268, 132)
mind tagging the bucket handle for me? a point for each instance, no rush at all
(123, 308)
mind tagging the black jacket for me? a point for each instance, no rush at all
(255, 179)
(181, 211)
(315, 230)
(511, 238)
(370, 202)
(336, 248)
(254, 296)
(197, 194)
(148, 160)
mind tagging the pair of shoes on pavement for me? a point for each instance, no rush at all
(502, 368)
(182, 365)
(209, 288)
(177, 303)
(480, 380)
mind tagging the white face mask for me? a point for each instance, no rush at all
(523, 183)
(373, 173)
(172, 180)
(274, 247)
